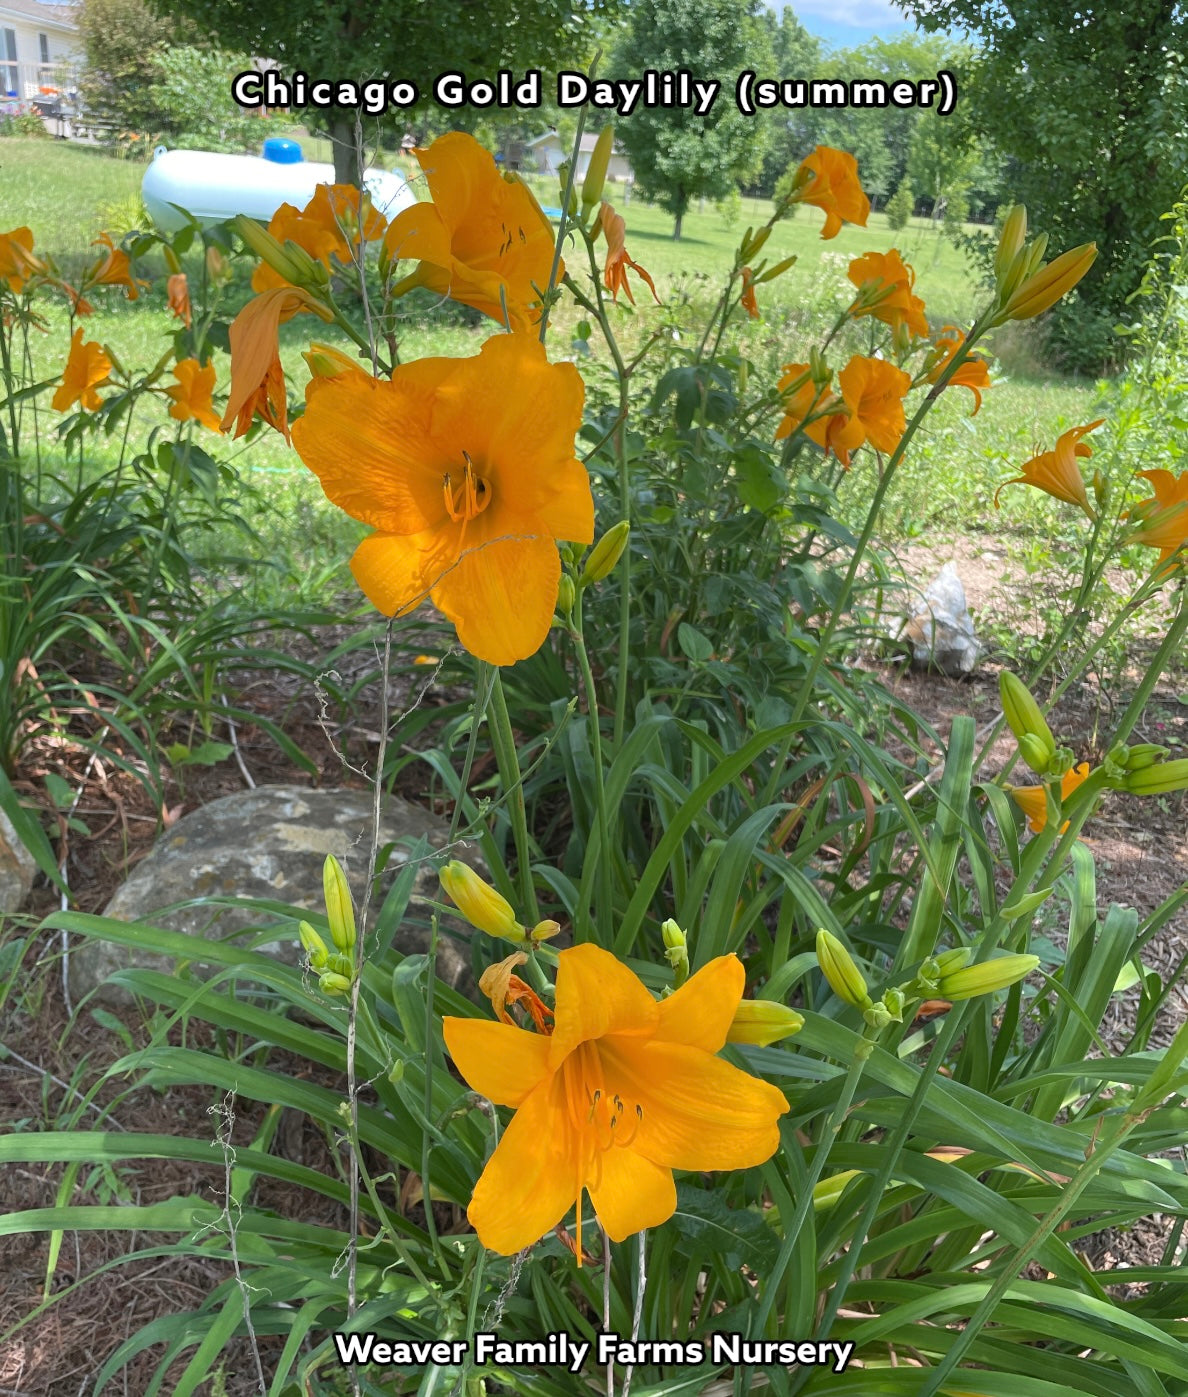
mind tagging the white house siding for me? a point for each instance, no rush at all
(39, 48)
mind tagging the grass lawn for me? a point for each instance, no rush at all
(69, 193)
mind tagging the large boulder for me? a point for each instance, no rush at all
(268, 843)
(17, 868)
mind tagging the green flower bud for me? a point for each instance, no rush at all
(340, 911)
(676, 950)
(837, 965)
(1035, 753)
(333, 984)
(1143, 754)
(1157, 779)
(566, 594)
(595, 181)
(877, 1015)
(313, 945)
(763, 1022)
(986, 976)
(1010, 242)
(606, 553)
(265, 246)
(1023, 714)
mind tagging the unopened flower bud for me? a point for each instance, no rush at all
(986, 976)
(1024, 717)
(606, 553)
(340, 911)
(763, 1022)
(313, 945)
(778, 270)
(479, 903)
(1061, 762)
(566, 594)
(837, 965)
(1035, 753)
(1143, 754)
(260, 241)
(1046, 286)
(1011, 240)
(544, 931)
(1157, 779)
(327, 362)
(172, 260)
(333, 983)
(676, 949)
(595, 181)
(877, 1015)
(752, 245)
(947, 962)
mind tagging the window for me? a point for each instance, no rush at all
(43, 43)
(8, 63)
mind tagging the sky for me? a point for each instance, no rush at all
(845, 23)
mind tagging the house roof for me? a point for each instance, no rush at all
(55, 16)
(586, 148)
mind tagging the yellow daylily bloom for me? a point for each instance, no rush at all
(623, 1091)
(832, 186)
(1033, 800)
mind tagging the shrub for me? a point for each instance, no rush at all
(900, 205)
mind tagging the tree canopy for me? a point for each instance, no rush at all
(677, 155)
(1089, 103)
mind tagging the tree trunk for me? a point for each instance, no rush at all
(347, 160)
(676, 228)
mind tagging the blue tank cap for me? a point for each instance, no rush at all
(282, 152)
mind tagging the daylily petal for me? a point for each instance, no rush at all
(384, 478)
(700, 1013)
(698, 1112)
(597, 995)
(501, 593)
(397, 572)
(501, 1062)
(631, 1193)
(531, 1181)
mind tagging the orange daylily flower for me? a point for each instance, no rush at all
(888, 272)
(191, 394)
(86, 370)
(623, 1091)
(614, 274)
(178, 290)
(483, 241)
(834, 188)
(257, 379)
(17, 262)
(1163, 520)
(114, 269)
(747, 299)
(465, 468)
(873, 390)
(810, 401)
(1033, 800)
(973, 373)
(1056, 472)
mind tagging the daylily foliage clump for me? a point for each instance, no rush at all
(745, 1028)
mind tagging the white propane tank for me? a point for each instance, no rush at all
(213, 187)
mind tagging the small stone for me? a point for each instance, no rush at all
(269, 843)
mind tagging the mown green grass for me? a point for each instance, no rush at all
(65, 191)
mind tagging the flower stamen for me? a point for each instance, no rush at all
(466, 500)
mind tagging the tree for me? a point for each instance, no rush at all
(400, 40)
(797, 54)
(678, 156)
(123, 41)
(1090, 104)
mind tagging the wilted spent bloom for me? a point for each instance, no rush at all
(763, 1022)
(837, 965)
(986, 976)
(479, 903)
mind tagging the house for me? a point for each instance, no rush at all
(40, 49)
(547, 153)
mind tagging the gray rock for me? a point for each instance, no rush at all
(268, 843)
(940, 630)
(17, 867)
